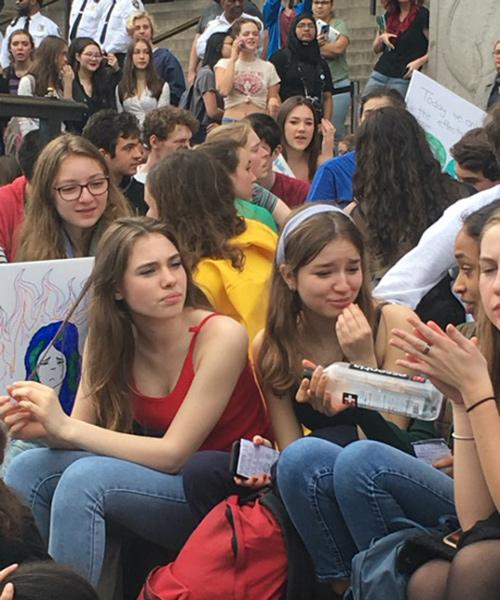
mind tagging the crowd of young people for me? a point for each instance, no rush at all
(221, 278)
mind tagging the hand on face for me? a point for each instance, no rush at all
(355, 336)
(67, 74)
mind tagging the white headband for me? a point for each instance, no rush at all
(296, 220)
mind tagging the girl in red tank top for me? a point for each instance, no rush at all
(156, 361)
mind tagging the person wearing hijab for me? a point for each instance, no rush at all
(302, 70)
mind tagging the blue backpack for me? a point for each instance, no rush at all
(374, 572)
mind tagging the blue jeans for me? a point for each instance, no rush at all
(341, 498)
(73, 494)
(378, 82)
(341, 104)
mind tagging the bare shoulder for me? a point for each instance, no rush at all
(224, 333)
(396, 315)
(257, 344)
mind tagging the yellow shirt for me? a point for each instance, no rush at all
(242, 295)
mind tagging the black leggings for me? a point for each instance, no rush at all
(208, 481)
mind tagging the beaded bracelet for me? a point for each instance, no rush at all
(464, 438)
(479, 402)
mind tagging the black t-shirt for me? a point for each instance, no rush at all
(409, 45)
(134, 192)
(299, 78)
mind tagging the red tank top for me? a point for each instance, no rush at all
(243, 417)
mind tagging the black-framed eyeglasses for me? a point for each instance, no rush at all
(71, 192)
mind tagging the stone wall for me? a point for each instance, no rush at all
(463, 33)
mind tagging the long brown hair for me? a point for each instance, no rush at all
(314, 148)
(108, 371)
(128, 84)
(489, 335)
(45, 67)
(42, 234)
(278, 363)
(195, 195)
(11, 509)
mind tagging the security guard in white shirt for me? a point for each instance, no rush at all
(113, 35)
(30, 19)
(86, 17)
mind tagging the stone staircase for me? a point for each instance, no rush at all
(167, 15)
(361, 25)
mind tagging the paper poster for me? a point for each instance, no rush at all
(444, 116)
(34, 298)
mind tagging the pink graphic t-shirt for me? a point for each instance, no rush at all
(252, 81)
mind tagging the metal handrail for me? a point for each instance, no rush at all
(175, 30)
(158, 38)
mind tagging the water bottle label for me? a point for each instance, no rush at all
(416, 378)
(350, 399)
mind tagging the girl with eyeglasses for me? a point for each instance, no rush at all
(72, 201)
(278, 16)
(96, 76)
(333, 40)
(302, 70)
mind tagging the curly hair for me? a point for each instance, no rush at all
(398, 184)
(195, 196)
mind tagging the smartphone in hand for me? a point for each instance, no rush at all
(249, 459)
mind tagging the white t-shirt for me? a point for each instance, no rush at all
(424, 266)
(251, 83)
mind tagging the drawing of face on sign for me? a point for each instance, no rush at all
(60, 368)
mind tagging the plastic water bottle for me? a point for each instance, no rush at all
(385, 391)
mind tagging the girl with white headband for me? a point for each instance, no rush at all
(321, 310)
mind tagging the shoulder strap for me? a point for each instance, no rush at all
(300, 578)
(197, 328)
